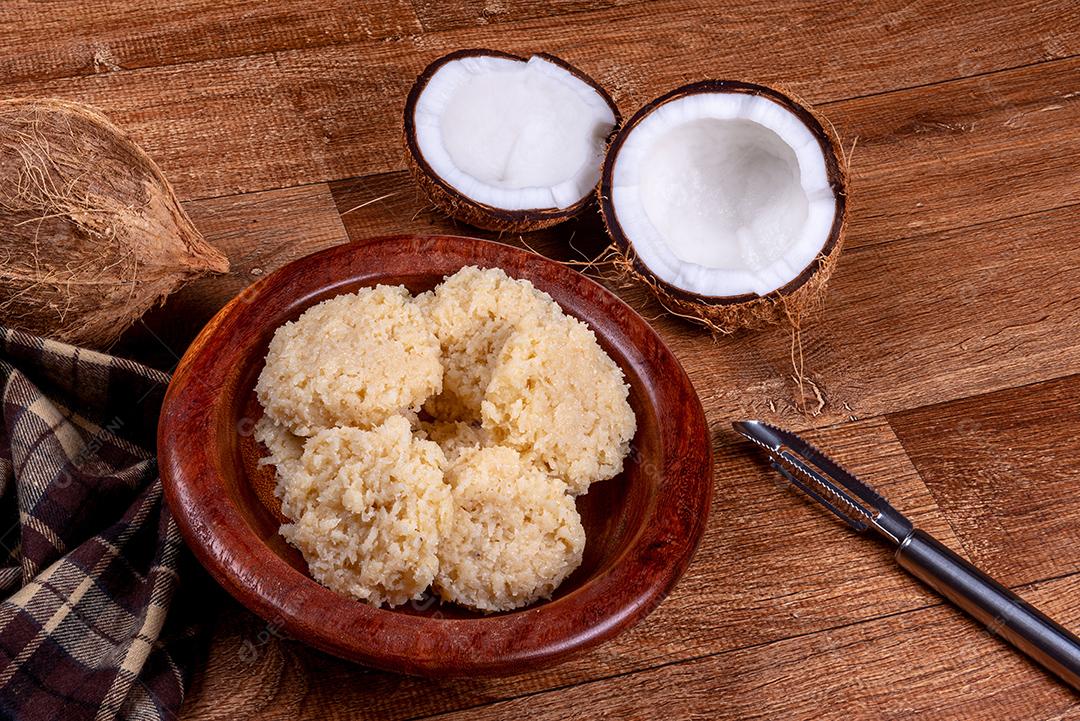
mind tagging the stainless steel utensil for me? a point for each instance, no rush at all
(862, 508)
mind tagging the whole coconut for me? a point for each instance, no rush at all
(91, 233)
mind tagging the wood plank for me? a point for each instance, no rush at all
(1003, 468)
(932, 663)
(316, 114)
(85, 38)
(787, 35)
(770, 566)
(638, 52)
(259, 233)
(812, 47)
(962, 153)
(436, 15)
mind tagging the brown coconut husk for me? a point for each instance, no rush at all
(91, 232)
(792, 304)
(452, 201)
(801, 304)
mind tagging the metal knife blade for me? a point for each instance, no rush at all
(826, 481)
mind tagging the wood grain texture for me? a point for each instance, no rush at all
(636, 52)
(931, 663)
(436, 15)
(1004, 468)
(961, 153)
(221, 126)
(951, 312)
(105, 37)
(795, 44)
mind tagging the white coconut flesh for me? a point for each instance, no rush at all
(513, 134)
(723, 194)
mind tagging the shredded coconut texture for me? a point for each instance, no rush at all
(515, 534)
(355, 360)
(473, 312)
(368, 509)
(286, 450)
(558, 398)
(454, 436)
(474, 499)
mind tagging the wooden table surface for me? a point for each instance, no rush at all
(946, 368)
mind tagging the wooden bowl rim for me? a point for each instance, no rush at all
(240, 561)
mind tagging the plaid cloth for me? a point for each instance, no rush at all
(90, 557)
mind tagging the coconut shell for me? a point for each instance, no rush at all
(800, 299)
(91, 232)
(452, 201)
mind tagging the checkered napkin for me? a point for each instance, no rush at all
(91, 625)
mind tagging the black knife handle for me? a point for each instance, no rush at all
(1002, 611)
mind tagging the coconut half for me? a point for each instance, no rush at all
(507, 143)
(728, 199)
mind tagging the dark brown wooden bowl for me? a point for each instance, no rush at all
(642, 526)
